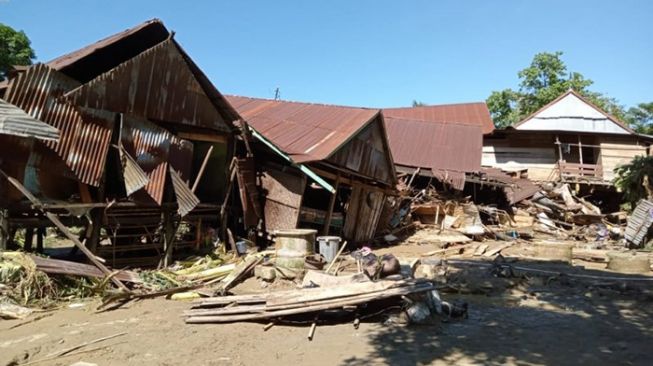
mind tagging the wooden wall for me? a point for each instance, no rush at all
(614, 154)
(537, 153)
(367, 154)
(363, 213)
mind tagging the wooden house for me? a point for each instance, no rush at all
(333, 168)
(569, 140)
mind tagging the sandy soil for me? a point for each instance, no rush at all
(518, 320)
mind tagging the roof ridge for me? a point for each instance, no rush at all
(305, 103)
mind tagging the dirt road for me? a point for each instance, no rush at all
(512, 321)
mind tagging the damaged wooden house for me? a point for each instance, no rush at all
(321, 166)
(439, 142)
(125, 137)
(569, 140)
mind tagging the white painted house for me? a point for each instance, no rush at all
(570, 139)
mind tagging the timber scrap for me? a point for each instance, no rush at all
(227, 309)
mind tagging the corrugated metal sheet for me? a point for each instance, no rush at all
(90, 61)
(135, 178)
(572, 112)
(14, 121)
(639, 222)
(149, 145)
(475, 114)
(158, 85)
(85, 134)
(307, 132)
(186, 199)
(448, 150)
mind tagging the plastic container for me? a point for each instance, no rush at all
(293, 246)
(328, 247)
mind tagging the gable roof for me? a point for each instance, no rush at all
(103, 56)
(475, 113)
(573, 112)
(305, 131)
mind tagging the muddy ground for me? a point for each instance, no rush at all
(514, 319)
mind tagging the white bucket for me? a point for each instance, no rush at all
(329, 246)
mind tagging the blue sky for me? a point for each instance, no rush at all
(372, 53)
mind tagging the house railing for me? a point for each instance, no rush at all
(580, 172)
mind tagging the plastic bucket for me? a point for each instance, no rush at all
(328, 247)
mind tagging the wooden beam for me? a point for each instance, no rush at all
(353, 182)
(203, 137)
(55, 220)
(332, 202)
(580, 150)
(201, 171)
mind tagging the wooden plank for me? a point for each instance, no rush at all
(496, 250)
(353, 300)
(212, 137)
(480, 250)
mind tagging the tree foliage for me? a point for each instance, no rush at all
(540, 83)
(632, 177)
(15, 49)
(640, 118)
(417, 103)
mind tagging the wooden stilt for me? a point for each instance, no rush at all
(40, 234)
(29, 237)
(4, 229)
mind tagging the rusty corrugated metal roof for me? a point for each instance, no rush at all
(305, 131)
(441, 147)
(103, 56)
(148, 145)
(158, 85)
(85, 134)
(14, 121)
(463, 113)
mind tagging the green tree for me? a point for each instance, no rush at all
(15, 49)
(634, 179)
(640, 118)
(540, 83)
(417, 103)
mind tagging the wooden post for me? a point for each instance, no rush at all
(168, 237)
(559, 148)
(29, 238)
(40, 234)
(580, 152)
(93, 232)
(4, 229)
(332, 202)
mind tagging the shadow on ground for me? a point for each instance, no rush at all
(530, 320)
